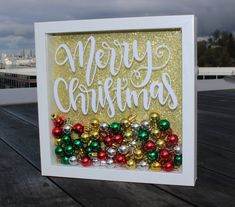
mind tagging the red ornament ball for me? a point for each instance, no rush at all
(108, 141)
(168, 166)
(78, 128)
(86, 162)
(171, 140)
(149, 146)
(57, 132)
(58, 121)
(117, 139)
(120, 159)
(102, 155)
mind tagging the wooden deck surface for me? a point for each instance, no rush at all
(22, 185)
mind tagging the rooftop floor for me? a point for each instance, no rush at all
(21, 183)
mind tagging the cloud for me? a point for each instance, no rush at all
(17, 17)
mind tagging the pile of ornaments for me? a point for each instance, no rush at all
(148, 145)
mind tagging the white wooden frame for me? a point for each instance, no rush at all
(187, 24)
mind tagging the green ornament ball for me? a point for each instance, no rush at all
(77, 144)
(89, 149)
(164, 125)
(65, 160)
(152, 156)
(178, 160)
(65, 139)
(59, 151)
(115, 127)
(69, 150)
(143, 135)
(95, 145)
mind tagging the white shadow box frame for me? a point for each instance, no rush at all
(186, 24)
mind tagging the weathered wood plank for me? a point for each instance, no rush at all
(24, 138)
(21, 184)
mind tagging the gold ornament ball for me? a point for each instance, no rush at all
(95, 123)
(131, 164)
(95, 134)
(85, 136)
(125, 123)
(155, 133)
(138, 154)
(155, 166)
(154, 116)
(74, 135)
(161, 143)
(57, 142)
(128, 135)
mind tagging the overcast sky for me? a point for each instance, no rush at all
(17, 16)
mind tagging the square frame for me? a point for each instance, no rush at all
(189, 97)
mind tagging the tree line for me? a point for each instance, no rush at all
(217, 51)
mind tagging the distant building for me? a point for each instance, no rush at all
(18, 78)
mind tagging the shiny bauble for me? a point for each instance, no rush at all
(171, 140)
(138, 154)
(57, 142)
(85, 161)
(67, 129)
(111, 152)
(78, 128)
(155, 166)
(102, 162)
(143, 165)
(178, 150)
(123, 149)
(120, 159)
(130, 164)
(65, 160)
(165, 156)
(59, 151)
(145, 125)
(125, 123)
(69, 150)
(77, 144)
(168, 166)
(95, 134)
(143, 135)
(154, 117)
(58, 121)
(73, 160)
(117, 139)
(155, 134)
(178, 160)
(85, 136)
(133, 143)
(108, 141)
(110, 163)
(149, 146)
(104, 126)
(135, 126)
(115, 127)
(102, 155)
(95, 123)
(96, 162)
(95, 145)
(128, 135)
(88, 149)
(66, 139)
(152, 156)
(161, 143)
(163, 125)
(57, 132)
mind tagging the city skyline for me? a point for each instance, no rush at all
(17, 17)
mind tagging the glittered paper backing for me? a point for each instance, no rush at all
(171, 38)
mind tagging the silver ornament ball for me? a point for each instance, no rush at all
(123, 149)
(104, 126)
(145, 125)
(110, 163)
(103, 162)
(178, 150)
(135, 126)
(111, 152)
(143, 165)
(96, 162)
(67, 129)
(73, 160)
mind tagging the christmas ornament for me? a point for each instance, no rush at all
(143, 165)
(78, 128)
(96, 162)
(120, 159)
(149, 146)
(59, 151)
(102, 155)
(171, 140)
(178, 160)
(155, 166)
(178, 150)
(111, 152)
(73, 160)
(130, 164)
(123, 149)
(143, 135)
(168, 166)
(67, 129)
(164, 125)
(110, 163)
(57, 132)
(85, 161)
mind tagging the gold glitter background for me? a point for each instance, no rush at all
(171, 38)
